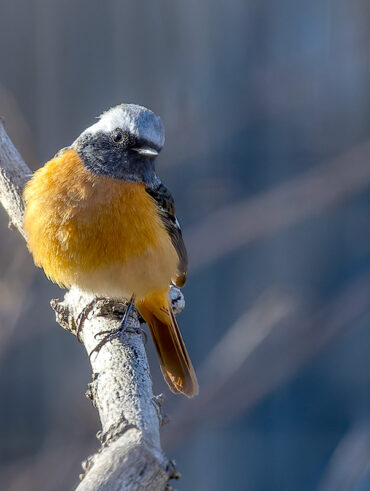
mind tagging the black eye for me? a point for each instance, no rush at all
(117, 136)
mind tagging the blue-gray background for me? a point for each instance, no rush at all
(257, 97)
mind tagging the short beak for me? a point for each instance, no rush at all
(146, 151)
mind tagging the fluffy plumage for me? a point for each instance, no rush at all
(101, 234)
(98, 217)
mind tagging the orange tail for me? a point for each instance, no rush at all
(175, 362)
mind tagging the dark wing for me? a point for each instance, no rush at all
(166, 207)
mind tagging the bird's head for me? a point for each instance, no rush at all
(123, 144)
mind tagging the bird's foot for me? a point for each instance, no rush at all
(113, 333)
(81, 317)
(109, 336)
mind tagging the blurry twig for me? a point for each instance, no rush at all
(14, 284)
(326, 185)
(349, 462)
(228, 357)
(250, 330)
(294, 344)
(278, 357)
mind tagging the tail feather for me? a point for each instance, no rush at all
(175, 362)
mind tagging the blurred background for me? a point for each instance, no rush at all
(266, 106)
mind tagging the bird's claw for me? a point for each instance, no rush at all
(112, 334)
(81, 317)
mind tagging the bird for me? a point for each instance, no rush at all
(98, 217)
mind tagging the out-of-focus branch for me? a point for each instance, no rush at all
(14, 286)
(295, 343)
(131, 455)
(252, 328)
(277, 358)
(326, 185)
(228, 357)
(350, 460)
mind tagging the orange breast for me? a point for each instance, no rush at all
(100, 234)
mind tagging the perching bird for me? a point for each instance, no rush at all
(99, 218)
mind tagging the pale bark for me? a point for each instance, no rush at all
(130, 457)
(14, 173)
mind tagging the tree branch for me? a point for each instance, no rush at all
(14, 174)
(288, 346)
(130, 456)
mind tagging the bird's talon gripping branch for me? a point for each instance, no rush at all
(81, 317)
(108, 338)
(112, 334)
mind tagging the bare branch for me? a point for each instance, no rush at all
(121, 390)
(14, 174)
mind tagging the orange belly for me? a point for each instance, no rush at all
(103, 235)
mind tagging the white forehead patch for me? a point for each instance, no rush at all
(136, 120)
